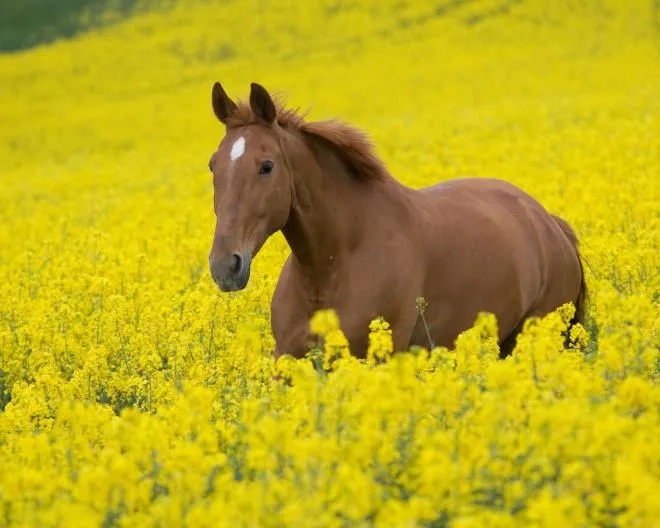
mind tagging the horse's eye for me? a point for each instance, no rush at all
(266, 167)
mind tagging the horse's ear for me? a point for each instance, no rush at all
(261, 103)
(223, 106)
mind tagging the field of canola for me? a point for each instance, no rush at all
(133, 393)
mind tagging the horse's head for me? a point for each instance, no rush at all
(252, 185)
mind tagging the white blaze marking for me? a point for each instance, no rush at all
(237, 149)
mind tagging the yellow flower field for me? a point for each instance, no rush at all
(134, 393)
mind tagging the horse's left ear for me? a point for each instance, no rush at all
(261, 103)
(223, 106)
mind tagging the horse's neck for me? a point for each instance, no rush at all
(326, 216)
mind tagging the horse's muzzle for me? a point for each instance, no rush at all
(231, 273)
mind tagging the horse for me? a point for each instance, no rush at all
(367, 246)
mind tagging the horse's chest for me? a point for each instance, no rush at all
(294, 304)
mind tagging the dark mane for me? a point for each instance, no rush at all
(352, 144)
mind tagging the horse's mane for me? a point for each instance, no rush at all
(352, 144)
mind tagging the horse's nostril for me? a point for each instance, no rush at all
(236, 263)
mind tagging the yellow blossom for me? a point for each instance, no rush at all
(134, 393)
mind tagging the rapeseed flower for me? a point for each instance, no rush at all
(133, 393)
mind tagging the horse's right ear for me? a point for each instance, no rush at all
(223, 106)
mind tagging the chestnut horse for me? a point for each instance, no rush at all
(367, 246)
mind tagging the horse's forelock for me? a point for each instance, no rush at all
(286, 117)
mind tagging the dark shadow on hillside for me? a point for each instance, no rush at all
(28, 23)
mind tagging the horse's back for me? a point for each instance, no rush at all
(478, 205)
(491, 218)
(492, 247)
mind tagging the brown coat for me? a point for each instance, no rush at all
(367, 246)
